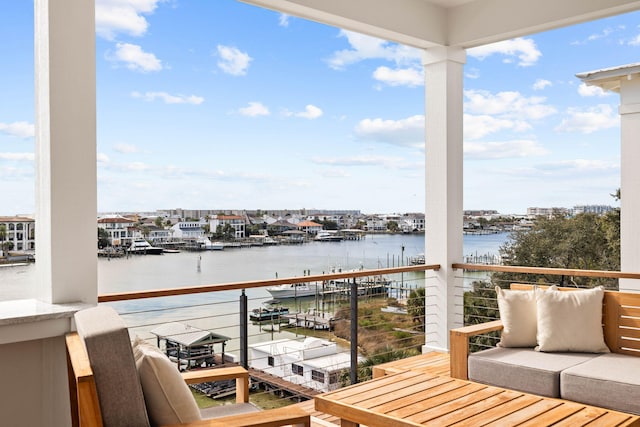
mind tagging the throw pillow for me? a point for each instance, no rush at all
(571, 321)
(167, 396)
(518, 315)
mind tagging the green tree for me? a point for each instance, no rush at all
(3, 234)
(586, 241)
(392, 226)
(7, 246)
(103, 238)
(416, 305)
(158, 222)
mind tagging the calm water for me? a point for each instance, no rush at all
(218, 311)
(232, 265)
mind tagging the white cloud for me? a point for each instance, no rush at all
(135, 58)
(479, 126)
(507, 104)
(407, 132)
(357, 161)
(400, 76)
(503, 149)
(168, 98)
(310, 112)
(524, 49)
(366, 47)
(102, 158)
(541, 84)
(123, 16)
(585, 166)
(19, 129)
(589, 120)
(588, 90)
(18, 156)
(233, 61)
(283, 20)
(126, 148)
(254, 109)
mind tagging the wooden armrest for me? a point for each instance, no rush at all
(459, 346)
(83, 395)
(219, 374)
(269, 418)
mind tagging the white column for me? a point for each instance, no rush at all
(66, 259)
(630, 181)
(443, 68)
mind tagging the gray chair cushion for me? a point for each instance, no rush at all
(610, 381)
(109, 349)
(523, 369)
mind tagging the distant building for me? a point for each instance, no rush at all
(310, 227)
(189, 230)
(238, 223)
(546, 212)
(120, 229)
(594, 209)
(20, 231)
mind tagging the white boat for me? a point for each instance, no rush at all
(293, 290)
(208, 245)
(328, 236)
(142, 247)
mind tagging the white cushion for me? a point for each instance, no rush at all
(518, 316)
(571, 321)
(167, 396)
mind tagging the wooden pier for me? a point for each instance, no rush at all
(278, 385)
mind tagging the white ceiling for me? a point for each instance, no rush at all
(463, 23)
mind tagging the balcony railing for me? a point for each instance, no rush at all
(362, 313)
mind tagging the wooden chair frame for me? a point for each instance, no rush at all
(85, 406)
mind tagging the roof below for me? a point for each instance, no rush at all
(187, 335)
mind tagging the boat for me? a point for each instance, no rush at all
(142, 247)
(294, 290)
(417, 260)
(267, 313)
(328, 236)
(207, 245)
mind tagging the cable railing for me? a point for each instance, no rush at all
(299, 336)
(477, 284)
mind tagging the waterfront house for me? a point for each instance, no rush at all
(310, 227)
(121, 230)
(188, 230)
(19, 233)
(32, 359)
(218, 222)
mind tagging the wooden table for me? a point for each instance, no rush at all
(415, 398)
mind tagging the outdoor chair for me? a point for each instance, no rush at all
(111, 386)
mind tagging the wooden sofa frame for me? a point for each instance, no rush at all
(85, 407)
(620, 322)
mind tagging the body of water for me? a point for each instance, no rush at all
(218, 311)
(234, 265)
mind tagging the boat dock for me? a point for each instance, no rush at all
(276, 384)
(309, 321)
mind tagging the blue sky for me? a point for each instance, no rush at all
(222, 105)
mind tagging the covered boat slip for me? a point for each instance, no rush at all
(188, 346)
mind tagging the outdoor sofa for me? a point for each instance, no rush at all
(578, 345)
